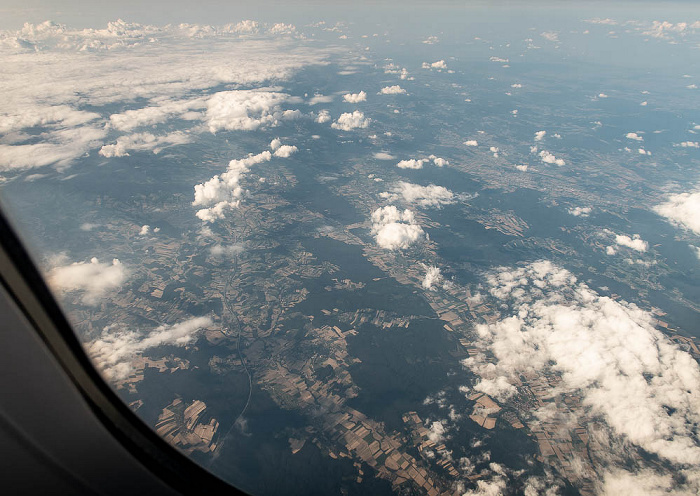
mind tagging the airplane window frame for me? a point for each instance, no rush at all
(22, 280)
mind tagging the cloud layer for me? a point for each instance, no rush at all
(628, 373)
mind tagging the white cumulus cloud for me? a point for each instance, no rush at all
(635, 242)
(682, 209)
(432, 276)
(392, 90)
(394, 229)
(95, 280)
(423, 196)
(628, 373)
(549, 158)
(348, 121)
(411, 163)
(355, 97)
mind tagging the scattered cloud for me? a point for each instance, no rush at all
(143, 142)
(316, 99)
(383, 156)
(117, 347)
(549, 158)
(471, 143)
(580, 211)
(245, 110)
(355, 97)
(394, 229)
(223, 192)
(639, 382)
(225, 251)
(635, 242)
(285, 151)
(411, 163)
(634, 136)
(423, 196)
(539, 135)
(95, 280)
(393, 90)
(432, 276)
(682, 210)
(438, 161)
(348, 121)
(323, 117)
(440, 64)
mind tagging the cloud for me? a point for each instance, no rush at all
(225, 251)
(580, 211)
(423, 196)
(94, 279)
(549, 158)
(384, 156)
(144, 142)
(539, 135)
(471, 143)
(323, 117)
(683, 210)
(394, 229)
(355, 97)
(392, 90)
(155, 114)
(348, 121)
(432, 276)
(439, 162)
(598, 20)
(628, 373)
(320, 99)
(634, 136)
(116, 347)
(440, 64)
(59, 147)
(550, 36)
(145, 229)
(688, 144)
(635, 242)
(498, 59)
(245, 110)
(103, 69)
(522, 168)
(285, 151)
(411, 164)
(224, 191)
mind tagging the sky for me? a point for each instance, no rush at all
(85, 13)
